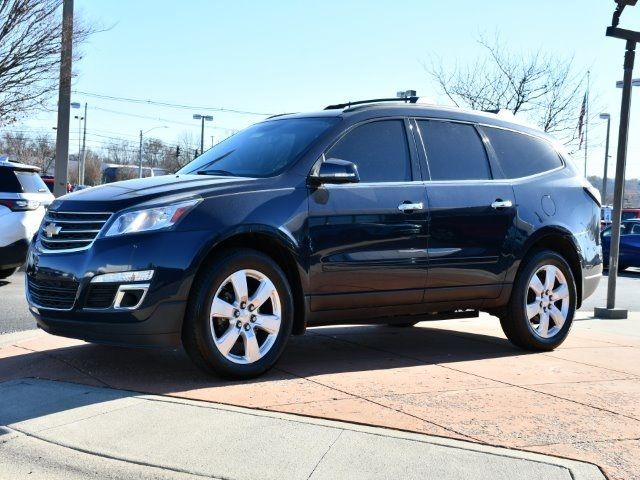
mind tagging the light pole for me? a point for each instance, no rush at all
(208, 118)
(631, 38)
(607, 117)
(80, 119)
(84, 148)
(140, 149)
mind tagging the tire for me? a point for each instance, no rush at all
(7, 272)
(259, 338)
(524, 326)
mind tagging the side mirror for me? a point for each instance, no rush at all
(334, 170)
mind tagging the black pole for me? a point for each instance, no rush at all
(618, 193)
(202, 136)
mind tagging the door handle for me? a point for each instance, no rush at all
(409, 207)
(498, 204)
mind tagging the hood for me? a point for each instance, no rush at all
(119, 195)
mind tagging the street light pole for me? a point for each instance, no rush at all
(606, 157)
(84, 146)
(208, 118)
(80, 119)
(140, 148)
(631, 38)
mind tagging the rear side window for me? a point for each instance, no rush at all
(522, 155)
(8, 181)
(454, 151)
(30, 182)
(379, 149)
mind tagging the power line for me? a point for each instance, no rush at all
(159, 119)
(169, 105)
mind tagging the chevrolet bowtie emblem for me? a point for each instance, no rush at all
(51, 230)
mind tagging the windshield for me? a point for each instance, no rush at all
(262, 150)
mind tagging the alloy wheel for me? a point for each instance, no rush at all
(547, 301)
(245, 316)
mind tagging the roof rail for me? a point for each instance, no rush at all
(279, 115)
(340, 106)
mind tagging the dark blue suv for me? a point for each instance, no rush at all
(372, 213)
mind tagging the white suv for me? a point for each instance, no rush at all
(24, 198)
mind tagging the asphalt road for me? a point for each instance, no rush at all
(15, 317)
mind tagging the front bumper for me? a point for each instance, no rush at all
(157, 321)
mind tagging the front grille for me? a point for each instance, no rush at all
(71, 230)
(59, 294)
(101, 295)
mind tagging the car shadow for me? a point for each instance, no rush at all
(322, 351)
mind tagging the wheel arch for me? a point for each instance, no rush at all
(273, 243)
(561, 241)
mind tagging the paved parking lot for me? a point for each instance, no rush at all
(459, 379)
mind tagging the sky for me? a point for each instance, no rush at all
(288, 56)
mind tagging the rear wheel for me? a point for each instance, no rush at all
(240, 315)
(542, 304)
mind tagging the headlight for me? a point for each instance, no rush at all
(149, 219)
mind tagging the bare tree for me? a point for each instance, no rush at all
(92, 168)
(121, 152)
(543, 88)
(30, 32)
(153, 152)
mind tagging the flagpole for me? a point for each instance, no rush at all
(586, 125)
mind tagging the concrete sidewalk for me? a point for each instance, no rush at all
(59, 430)
(459, 379)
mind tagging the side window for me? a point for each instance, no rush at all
(522, 155)
(636, 229)
(379, 149)
(454, 151)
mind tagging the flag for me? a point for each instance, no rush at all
(583, 111)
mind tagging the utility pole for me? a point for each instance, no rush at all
(140, 157)
(84, 146)
(64, 101)
(631, 38)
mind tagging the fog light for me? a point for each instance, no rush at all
(130, 297)
(124, 277)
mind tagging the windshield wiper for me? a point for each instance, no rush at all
(216, 172)
(217, 159)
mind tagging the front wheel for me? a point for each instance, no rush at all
(240, 315)
(542, 304)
